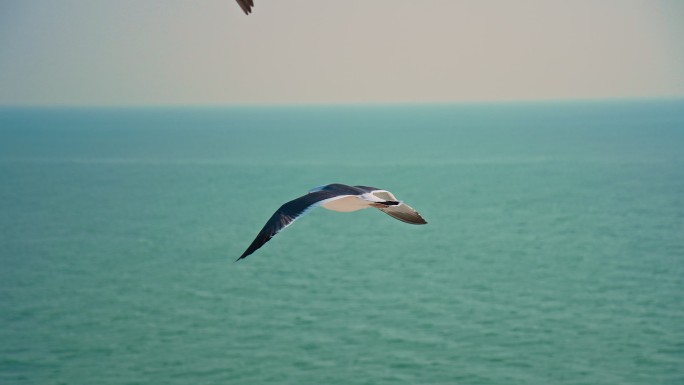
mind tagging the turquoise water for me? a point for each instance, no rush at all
(554, 252)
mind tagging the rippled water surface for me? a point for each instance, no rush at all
(554, 252)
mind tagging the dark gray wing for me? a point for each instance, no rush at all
(284, 216)
(246, 6)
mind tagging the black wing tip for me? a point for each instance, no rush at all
(411, 219)
(256, 245)
(419, 221)
(246, 6)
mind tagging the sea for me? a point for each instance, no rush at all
(554, 252)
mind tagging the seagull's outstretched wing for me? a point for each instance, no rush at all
(246, 6)
(287, 214)
(402, 211)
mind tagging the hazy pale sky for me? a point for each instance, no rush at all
(131, 52)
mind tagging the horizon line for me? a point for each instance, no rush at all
(672, 98)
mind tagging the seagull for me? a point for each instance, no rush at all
(246, 6)
(335, 197)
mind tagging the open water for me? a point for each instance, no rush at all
(554, 252)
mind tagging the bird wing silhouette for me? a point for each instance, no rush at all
(287, 214)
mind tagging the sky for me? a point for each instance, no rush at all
(173, 52)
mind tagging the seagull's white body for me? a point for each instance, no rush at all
(334, 197)
(346, 204)
(349, 203)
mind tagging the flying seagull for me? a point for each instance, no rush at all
(335, 197)
(246, 6)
